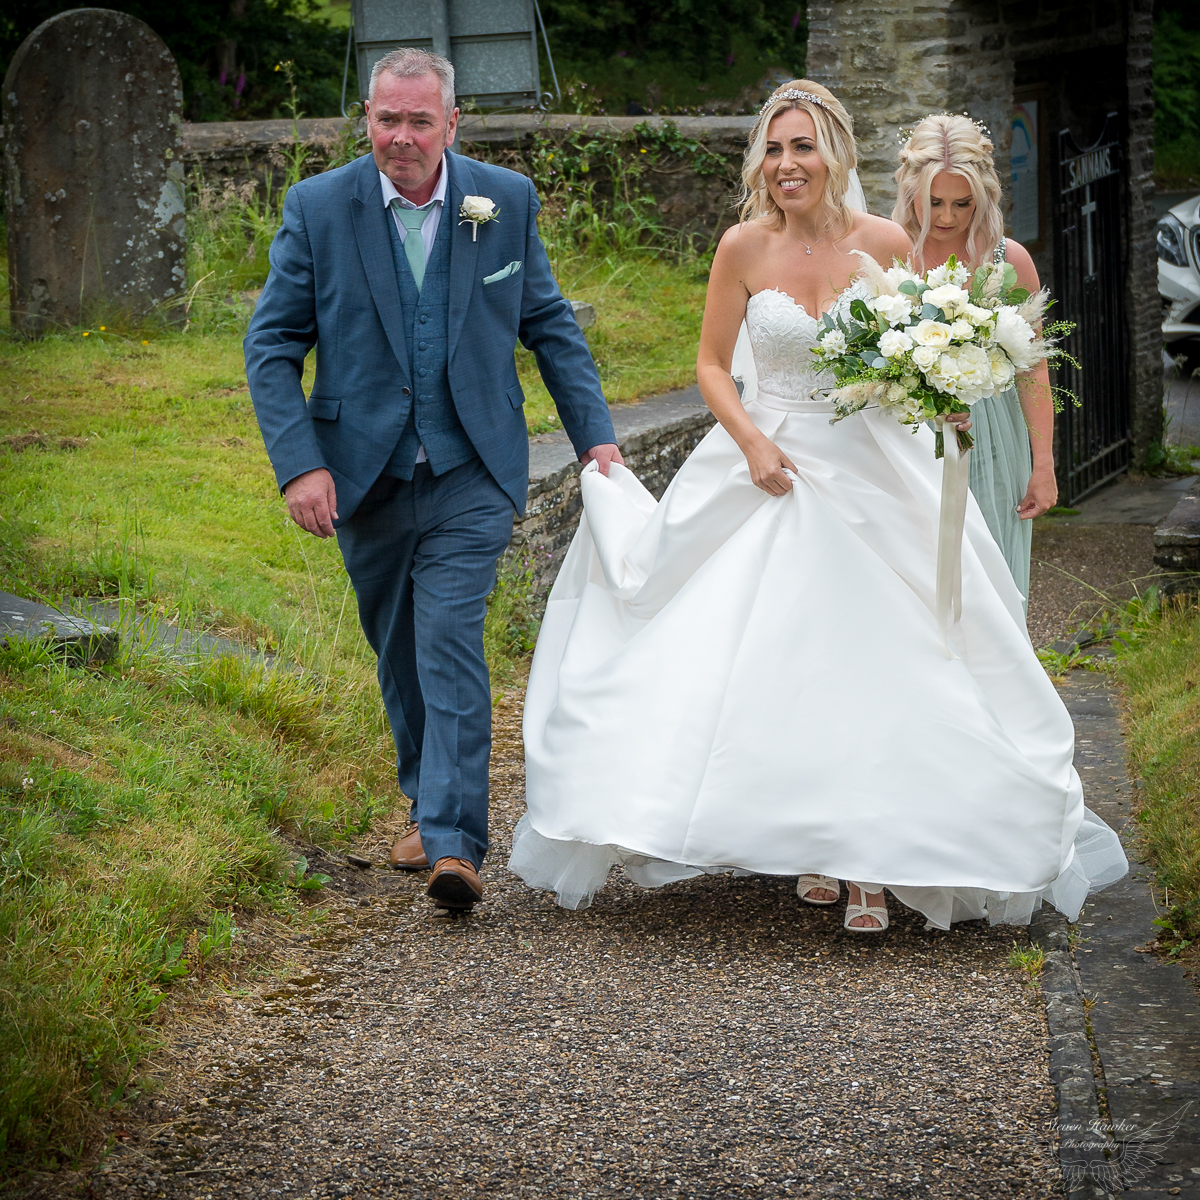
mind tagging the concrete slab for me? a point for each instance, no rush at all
(147, 634)
(1140, 501)
(80, 639)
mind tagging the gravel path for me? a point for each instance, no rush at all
(1078, 570)
(714, 1038)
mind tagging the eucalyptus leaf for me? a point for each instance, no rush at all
(908, 288)
(931, 312)
(1010, 276)
(1018, 296)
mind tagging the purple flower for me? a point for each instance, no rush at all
(729, 60)
(796, 19)
(241, 84)
(221, 78)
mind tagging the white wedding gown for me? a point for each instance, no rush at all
(730, 680)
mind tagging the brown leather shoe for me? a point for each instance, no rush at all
(454, 884)
(407, 853)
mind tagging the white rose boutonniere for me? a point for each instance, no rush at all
(478, 210)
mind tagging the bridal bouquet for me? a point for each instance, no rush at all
(923, 346)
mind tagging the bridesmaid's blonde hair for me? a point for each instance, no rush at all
(835, 145)
(955, 144)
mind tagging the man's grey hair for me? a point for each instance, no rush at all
(407, 61)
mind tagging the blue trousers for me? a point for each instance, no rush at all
(422, 557)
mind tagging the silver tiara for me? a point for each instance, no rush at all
(795, 94)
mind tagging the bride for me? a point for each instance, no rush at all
(749, 675)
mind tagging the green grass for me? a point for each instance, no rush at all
(138, 810)
(1159, 669)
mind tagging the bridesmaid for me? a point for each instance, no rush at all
(948, 202)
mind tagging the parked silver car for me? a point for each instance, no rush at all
(1179, 279)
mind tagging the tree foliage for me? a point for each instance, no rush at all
(227, 51)
(671, 53)
(1176, 77)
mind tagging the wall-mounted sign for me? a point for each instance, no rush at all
(1026, 178)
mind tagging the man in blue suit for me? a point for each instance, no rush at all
(412, 446)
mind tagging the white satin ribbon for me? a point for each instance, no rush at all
(955, 475)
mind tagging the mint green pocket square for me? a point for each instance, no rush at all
(511, 269)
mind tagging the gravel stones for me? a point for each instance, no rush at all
(714, 1038)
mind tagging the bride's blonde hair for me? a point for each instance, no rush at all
(835, 145)
(955, 144)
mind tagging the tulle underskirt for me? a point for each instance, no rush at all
(575, 871)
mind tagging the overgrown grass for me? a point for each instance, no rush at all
(1158, 665)
(138, 810)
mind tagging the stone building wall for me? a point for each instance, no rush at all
(893, 61)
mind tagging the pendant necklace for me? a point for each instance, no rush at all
(807, 247)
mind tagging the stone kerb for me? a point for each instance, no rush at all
(92, 103)
(655, 437)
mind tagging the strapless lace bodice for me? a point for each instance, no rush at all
(782, 335)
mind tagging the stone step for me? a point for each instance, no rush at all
(1177, 538)
(80, 639)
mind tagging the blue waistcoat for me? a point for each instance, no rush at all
(432, 420)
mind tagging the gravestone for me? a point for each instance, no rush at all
(91, 104)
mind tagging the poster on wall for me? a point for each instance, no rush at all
(1026, 200)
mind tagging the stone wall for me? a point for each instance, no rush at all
(1142, 304)
(655, 437)
(244, 151)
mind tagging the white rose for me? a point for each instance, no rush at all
(834, 342)
(977, 315)
(931, 333)
(894, 343)
(925, 356)
(961, 330)
(1003, 372)
(478, 208)
(893, 309)
(1014, 335)
(950, 299)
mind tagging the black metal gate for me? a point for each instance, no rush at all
(1093, 440)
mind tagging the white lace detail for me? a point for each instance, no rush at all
(782, 335)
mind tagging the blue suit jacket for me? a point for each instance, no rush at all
(333, 284)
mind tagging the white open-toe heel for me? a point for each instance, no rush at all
(879, 912)
(818, 883)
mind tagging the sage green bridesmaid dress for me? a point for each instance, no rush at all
(1000, 466)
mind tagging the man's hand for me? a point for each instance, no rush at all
(312, 501)
(605, 455)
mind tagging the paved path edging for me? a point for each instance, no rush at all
(1082, 1143)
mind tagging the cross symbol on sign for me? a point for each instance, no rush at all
(1089, 211)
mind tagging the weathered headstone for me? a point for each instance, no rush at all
(92, 103)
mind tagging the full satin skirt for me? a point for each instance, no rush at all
(729, 680)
